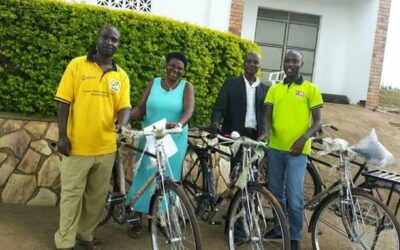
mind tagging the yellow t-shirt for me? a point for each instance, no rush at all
(95, 97)
(291, 113)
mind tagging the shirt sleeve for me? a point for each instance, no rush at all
(269, 99)
(125, 101)
(65, 91)
(315, 100)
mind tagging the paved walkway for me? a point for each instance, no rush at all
(33, 227)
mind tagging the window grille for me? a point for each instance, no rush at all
(138, 5)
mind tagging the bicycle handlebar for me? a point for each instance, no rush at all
(335, 145)
(330, 126)
(242, 140)
(158, 133)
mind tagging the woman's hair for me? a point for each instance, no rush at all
(177, 55)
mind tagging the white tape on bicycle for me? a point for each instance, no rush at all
(237, 140)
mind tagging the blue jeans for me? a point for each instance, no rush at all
(285, 181)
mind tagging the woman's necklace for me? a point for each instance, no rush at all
(170, 87)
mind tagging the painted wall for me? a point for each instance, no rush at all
(345, 40)
(208, 13)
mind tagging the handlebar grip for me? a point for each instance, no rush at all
(334, 128)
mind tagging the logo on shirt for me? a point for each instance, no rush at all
(115, 85)
(299, 93)
(85, 77)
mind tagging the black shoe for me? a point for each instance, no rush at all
(295, 244)
(272, 235)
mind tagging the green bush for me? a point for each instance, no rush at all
(39, 38)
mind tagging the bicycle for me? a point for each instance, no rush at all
(253, 210)
(382, 184)
(172, 222)
(350, 216)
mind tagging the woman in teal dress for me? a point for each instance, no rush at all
(171, 98)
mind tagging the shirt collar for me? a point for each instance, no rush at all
(255, 84)
(91, 58)
(299, 81)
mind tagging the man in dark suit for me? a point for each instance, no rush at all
(240, 102)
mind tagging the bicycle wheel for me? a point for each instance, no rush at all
(256, 220)
(360, 223)
(194, 186)
(311, 183)
(173, 222)
(382, 193)
(109, 208)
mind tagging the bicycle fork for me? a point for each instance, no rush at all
(351, 210)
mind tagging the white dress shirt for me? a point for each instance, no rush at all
(251, 121)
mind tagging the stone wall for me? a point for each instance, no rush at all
(29, 163)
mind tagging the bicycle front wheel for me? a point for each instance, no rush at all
(173, 222)
(363, 222)
(312, 185)
(256, 221)
(109, 207)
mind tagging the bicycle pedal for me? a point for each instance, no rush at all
(134, 220)
(116, 198)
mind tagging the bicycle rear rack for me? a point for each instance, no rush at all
(383, 175)
(384, 178)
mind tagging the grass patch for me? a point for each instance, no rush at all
(389, 97)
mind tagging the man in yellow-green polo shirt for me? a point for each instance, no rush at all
(93, 95)
(292, 116)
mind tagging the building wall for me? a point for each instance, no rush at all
(362, 25)
(345, 41)
(208, 13)
(348, 29)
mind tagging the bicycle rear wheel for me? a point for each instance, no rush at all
(382, 193)
(311, 184)
(361, 223)
(256, 221)
(173, 222)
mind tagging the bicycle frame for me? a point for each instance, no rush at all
(345, 179)
(206, 166)
(203, 157)
(362, 167)
(158, 175)
(344, 185)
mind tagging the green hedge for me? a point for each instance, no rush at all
(39, 38)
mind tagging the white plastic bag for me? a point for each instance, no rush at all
(373, 151)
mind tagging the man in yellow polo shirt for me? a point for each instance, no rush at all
(292, 116)
(93, 95)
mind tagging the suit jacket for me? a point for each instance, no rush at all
(231, 105)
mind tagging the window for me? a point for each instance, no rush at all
(138, 5)
(280, 31)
